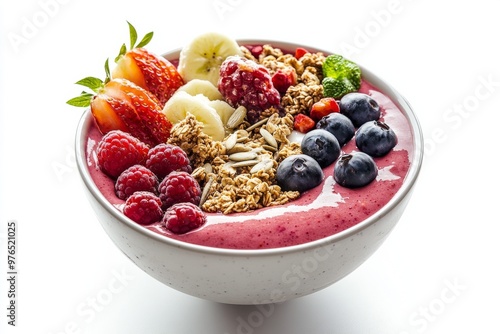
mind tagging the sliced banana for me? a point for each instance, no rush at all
(201, 86)
(223, 109)
(182, 103)
(201, 59)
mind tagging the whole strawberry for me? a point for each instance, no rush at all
(243, 82)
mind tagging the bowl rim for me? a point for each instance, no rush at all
(415, 166)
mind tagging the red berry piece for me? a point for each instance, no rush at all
(303, 123)
(166, 158)
(300, 52)
(284, 78)
(255, 50)
(183, 217)
(135, 178)
(323, 107)
(243, 82)
(178, 187)
(118, 151)
(143, 207)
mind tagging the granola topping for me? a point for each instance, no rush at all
(238, 173)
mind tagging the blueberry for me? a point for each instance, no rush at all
(322, 146)
(299, 173)
(375, 138)
(359, 108)
(338, 125)
(355, 170)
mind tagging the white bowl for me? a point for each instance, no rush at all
(254, 276)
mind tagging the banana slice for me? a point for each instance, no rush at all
(223, 109)
(201, 59)
(200, 86)
(182, 103)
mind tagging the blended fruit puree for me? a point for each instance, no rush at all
(318, 213)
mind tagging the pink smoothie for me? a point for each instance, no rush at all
(318, 213)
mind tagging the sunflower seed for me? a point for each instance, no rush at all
(206, 190)
(237, 117)
(243, 156)
(256, 125)
(239, 148)
(269, 148)
(208, 168)
(245, 163)
(263, 165)
(228, 166)
(230, 141)
(268, 137)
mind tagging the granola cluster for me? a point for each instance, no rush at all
(298, 98)
(238, 173)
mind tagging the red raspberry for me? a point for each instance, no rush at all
(118, 151)
(135, 178)
(244, 82)
(183, 217)
(143, 207)
(166, 158)
(179, 187)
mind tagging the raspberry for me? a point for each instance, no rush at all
(166, 158)
(183, 217)
(135, 178)
(118, 151)
(179, 187)
(143, 207)
(244, 82)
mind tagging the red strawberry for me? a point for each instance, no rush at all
(303, 123)
(323, 107)
(119, 104)
(146, 69)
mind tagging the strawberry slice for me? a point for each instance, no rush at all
(119, 104)
(146, 69)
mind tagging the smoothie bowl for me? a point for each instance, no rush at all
(276, 218)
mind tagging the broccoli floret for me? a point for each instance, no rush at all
(341, 76)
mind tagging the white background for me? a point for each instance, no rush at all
(436, 273)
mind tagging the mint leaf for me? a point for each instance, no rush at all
(81, 101)
(145, 40)
(106, 70)
(133, 35)
(123, 50)
(90, 82)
